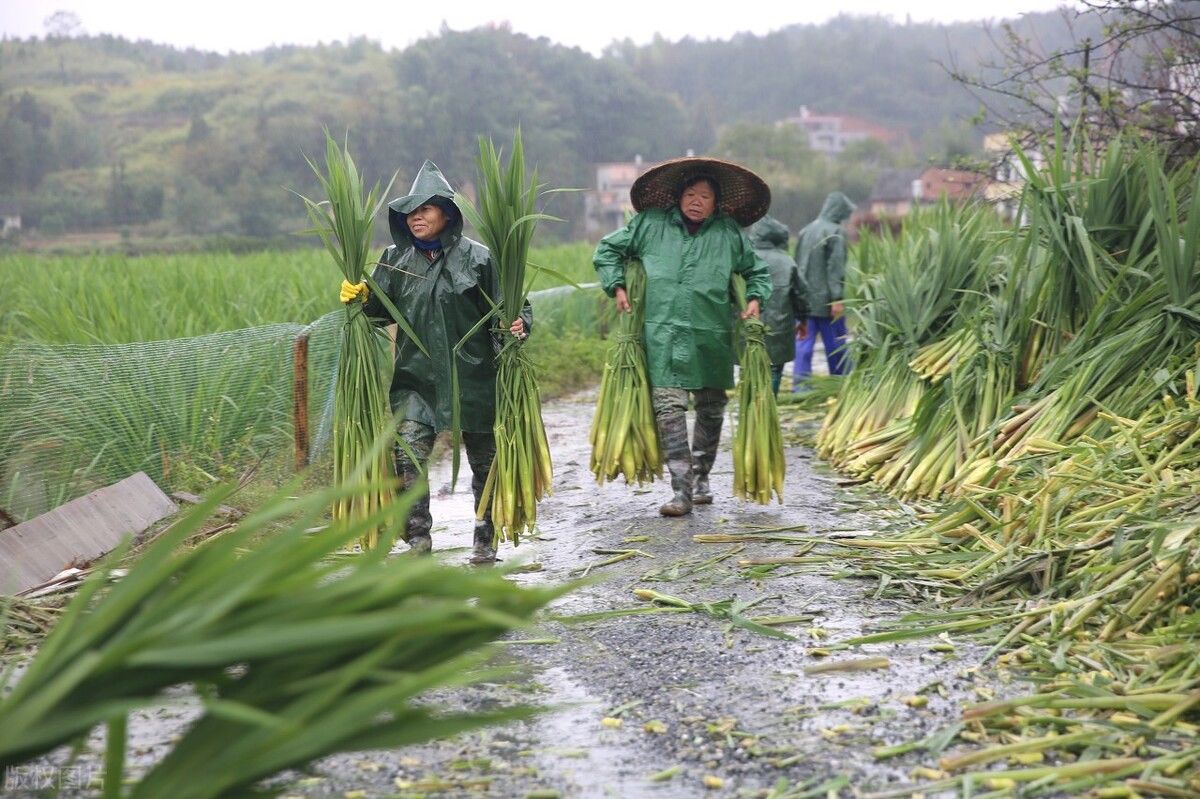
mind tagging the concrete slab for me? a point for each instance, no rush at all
(79, 531)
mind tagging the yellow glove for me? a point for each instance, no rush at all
(350, 291)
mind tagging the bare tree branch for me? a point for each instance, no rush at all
(1129, 64)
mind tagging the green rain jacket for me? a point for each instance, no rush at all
(689, 312)
(821, 254)
(442, 301)
(789, 297)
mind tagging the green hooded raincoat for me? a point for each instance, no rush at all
(442, 301)
(789, 297)
(821, 254)
(689, 313)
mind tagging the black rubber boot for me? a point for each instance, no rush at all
(419, 544)
(681, 484)
(701, 495)
(416, 529)
(484, 553)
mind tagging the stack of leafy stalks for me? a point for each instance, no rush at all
(521, 473)
(758, 466)
(888, 424)
(361, 415)
(624, 437)
(1071, 538)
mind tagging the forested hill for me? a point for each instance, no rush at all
(889, 73)
(100, 132)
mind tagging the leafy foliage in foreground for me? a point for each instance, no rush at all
(294, 653)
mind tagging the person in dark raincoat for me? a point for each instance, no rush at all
(786, 313)
(440, 280)
(821, 259)
(687, 233)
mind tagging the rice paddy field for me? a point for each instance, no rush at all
(181, 365)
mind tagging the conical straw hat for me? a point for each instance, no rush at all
(744, 195)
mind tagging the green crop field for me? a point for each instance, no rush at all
(112, 299)
(181, 365)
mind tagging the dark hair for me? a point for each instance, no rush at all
(700, 177)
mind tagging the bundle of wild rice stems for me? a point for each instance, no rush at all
(361, 414)
(624, 437)
(758, 466)
(522, 472)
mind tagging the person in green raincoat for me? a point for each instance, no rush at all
(821, 259)
(785, 314)
(687, 233)
(440, 281)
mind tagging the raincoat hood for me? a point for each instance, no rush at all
(444, 296)
(789, 295)
(821, 255)
(837, 208)
(768, 233)
(429, 184)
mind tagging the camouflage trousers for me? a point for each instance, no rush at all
(670, 414)
(481, 450)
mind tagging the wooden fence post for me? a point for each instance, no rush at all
(300, 398)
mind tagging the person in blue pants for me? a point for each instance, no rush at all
(832, 330)
(821, 259)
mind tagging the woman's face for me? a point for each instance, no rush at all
(698, 201)
(427, 222)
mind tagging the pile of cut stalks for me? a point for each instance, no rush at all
(1039, 383)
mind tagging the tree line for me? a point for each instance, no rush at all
(102, 132)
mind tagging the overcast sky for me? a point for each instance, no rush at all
(243, 25)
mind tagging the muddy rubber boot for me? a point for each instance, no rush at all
(419, 544)
(681, 484)
(484, 553)
(418, 524)
(706, 434)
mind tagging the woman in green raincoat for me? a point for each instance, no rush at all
(440, 281)
(687, 233)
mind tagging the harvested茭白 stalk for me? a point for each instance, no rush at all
(361, 413)
(505, 218)
(624, 437)
(758, 465)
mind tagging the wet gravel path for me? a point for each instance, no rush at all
(711, 708)
(694, 696)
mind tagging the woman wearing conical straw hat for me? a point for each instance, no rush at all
(688, 235)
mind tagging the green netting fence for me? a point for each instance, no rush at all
(188, 411)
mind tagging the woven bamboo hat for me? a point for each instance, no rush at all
(744, 195)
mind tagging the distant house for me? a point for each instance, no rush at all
(1008, 173)
(831, 133)
(955, 185)
(897, 191)
(893, 193)
(10, 219)
(605, 206)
